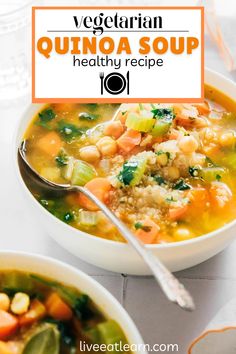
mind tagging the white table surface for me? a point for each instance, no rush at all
(212, 283)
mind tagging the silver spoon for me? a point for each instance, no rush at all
(170, 285)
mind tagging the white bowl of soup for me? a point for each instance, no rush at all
(48, 305)
(166, 170)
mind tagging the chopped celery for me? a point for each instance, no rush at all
(13, 282)
(142, 122)
(160, 128)
(132, 171)
(164, 118)
(210, 174)
(82, 173)
(88, 218)
(110, 332)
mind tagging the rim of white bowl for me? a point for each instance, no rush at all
(90, 281)
(98, 239)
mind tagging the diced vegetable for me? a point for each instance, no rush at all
(36, 312)
(164, 118)
(8, 324)
(50, 144)
(57, 308)
(88, 218)
(129, 140)
(44, 340)
(209, 174)
(82, 173)
(199, 200)
(110, 333)
(147, 231)
(141, 122)
(100, 187)
(13, 282)
(160, 128)
(132, 171)
(178, 213)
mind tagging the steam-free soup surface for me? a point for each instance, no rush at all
(167, 171)
(39, 315)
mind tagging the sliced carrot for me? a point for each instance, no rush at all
(50, 143)
(178, 212)
(8, 324)
(129, 140)
(100, 187)
(198, 198)
(203, 108)
(57, 308)
(114, 129)
(36, 312)
(150, 234)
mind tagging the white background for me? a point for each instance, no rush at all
(56, 77)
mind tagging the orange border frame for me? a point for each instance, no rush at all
(117, 100)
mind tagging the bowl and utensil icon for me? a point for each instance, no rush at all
(114, 83)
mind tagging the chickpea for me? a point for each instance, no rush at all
(20, 303)
(162, 159)
(188, 144)
(4, 302)
(89, 153)
(182, 234)
(172, 173)
(227, 139)
(107, 146)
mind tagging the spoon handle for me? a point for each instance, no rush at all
(170, 285)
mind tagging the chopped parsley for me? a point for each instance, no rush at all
(166, 114)
(218, 177)
(159, 179)
(193, 171)
(138, 225)
(61, 159)
(127, 173)
(181, 185)
(70, 131)
(68, 217)
(45, 117)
